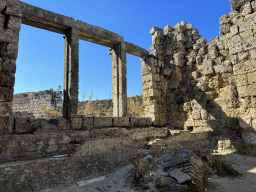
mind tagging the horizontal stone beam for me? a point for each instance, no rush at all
(135, 50)
(97, 34)
(41, 18)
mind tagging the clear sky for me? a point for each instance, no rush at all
(41, 53)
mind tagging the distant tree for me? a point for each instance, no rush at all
(59, 87)
(51, 89)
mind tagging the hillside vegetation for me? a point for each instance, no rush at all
(134, 104)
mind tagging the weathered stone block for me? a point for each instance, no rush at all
(234, 30)
(2, 21)
(235, 4)
(201, 42)
(9, 50)
(247, 90)
(103, 122)
(60, 123)
(13, 8)
(87, 122)
(8, 66)
(225, 28)
(6, 94)
(152, 93)
(121, 121)
(133, 121)
(5, 109)
(141, 121)
(2, 5)
(181, 37)
(22, 125)
(251, 78)
(208, 70)
(151, 77)
(253, 4)
(168, 29)
(14, 23)
(7, 80)
(76, 123)
(196, 114)
(249, 44)
(149, 121)
(6, 125)
(246, 9)
(241, 80)
(243, 68)
(237, 48)
(154, 29)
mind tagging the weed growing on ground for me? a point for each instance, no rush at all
(245, 149)
(222, 167)
(133, 162)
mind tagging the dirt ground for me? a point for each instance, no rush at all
(245, 183)
(120, 181)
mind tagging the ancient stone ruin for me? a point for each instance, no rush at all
(33, 105)
(195, 93)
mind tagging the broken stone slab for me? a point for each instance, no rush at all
(180, 176)
(86, 182)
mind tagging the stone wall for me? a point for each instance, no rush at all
(189, 83)
(10, 24)
(34, 105)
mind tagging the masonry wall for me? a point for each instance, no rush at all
(189, 83)
(10, 24)
(36, 105)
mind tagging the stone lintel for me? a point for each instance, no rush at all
(135, 50)
(41, 18)
(98, 35)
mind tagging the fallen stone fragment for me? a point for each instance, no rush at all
(179, 175)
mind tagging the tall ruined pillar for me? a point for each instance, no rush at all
(119, 80)
(10, 25)
(71, 69)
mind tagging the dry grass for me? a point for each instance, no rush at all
(135, 107)
(51, 113)
(88, 108)
(29, 94)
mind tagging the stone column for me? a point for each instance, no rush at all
(71, 69)
(119, 80)
(10, 25)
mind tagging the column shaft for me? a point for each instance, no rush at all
(71, 70)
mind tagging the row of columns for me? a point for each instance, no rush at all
(71, 75)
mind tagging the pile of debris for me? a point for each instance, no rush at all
(174, 171)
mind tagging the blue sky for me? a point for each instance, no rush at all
(41, 53)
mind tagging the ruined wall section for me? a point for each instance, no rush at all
(35, 105)
(10, 24)
(196, 85)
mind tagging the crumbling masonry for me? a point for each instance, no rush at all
(191, 84)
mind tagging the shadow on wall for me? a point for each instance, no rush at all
(191, 84)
